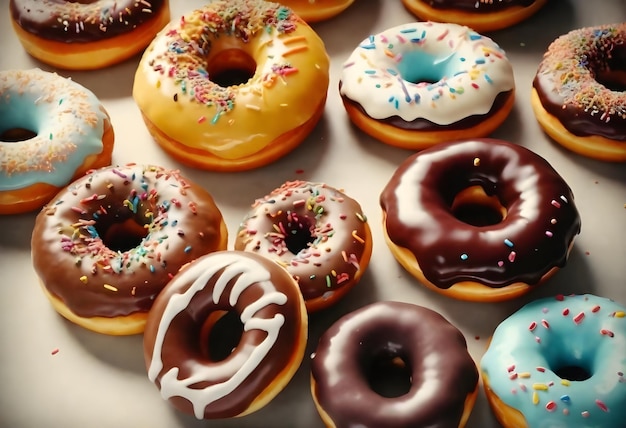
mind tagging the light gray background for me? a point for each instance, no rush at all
(100, 381)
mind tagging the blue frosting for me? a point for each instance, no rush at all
(530, 347)
(66, 117)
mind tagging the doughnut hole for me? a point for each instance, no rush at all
(612, 74)
(473, 206)
(387, 373)
(420, 67)
(231, 67)
(299, 232)
(221, 333)
(15, 135)
(120, 233)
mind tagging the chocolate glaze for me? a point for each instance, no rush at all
(434, 350)
(184, 345)
(69, 253)
(475, 6)
(425, 125)
(541, 221)
(329, 255)
(82, 21)
(590, 53)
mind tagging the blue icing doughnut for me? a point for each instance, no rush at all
(67, 119)
(560, 362)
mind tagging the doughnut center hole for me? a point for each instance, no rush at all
(389, 375)
(122, 235)
(473, 206)
(572, 373)
(223, 331)
(231, 67)
(15, 135)
(298, 232)
(614, 80)
(421, 67)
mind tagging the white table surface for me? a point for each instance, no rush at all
(100, 381)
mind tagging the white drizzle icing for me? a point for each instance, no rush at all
(469, 70)
(245, 272)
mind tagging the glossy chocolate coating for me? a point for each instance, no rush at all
(259, 292)
(442, 371)
(72, 234)
(534, 237)
(335, 238)
(425, 125)
(476, 6)
(567, 86)
(82, 21)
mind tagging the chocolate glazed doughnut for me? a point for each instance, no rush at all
(432, 352)
(178, 345)
(480, 220)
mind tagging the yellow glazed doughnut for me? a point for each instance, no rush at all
(234, 85)
(415, 85)
(87, 35)
(317, 10)
(52, 131)
(481, 15)
(578, 93)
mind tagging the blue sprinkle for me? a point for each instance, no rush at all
(370, 71)
(565, 398)
(474, 36)
(408, 30)
(480, 61)
(417, 98)
(464, 256)
(392, 72)
(372, 46)
(187, 248)
(152, 268)
(488, 79)
(508, 243)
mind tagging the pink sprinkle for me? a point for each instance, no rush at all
(579, 318)
(537, 339)
(541, 369)
(606, 332)
(555, 203)
(551, 406)
(584, 414)
(595, 309)
(565, 312)
(522, 387)
(512, 256)
(560, 297)
(55, 351)
(510, 368)
(566, 411)
(601, 405)
(532, 326)
(500, 263)
(549, 234)
(545, 324)
(201, 119)
(513, 376)
(475, 85)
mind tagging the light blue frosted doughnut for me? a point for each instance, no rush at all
(526, 361)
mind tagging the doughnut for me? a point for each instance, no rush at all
(86, 35)
(316, 232)
(233, 86)
(481, 15)
(105, 246)
(479, 220)
(181, 349)
(579, 92)
(417, 84)
(559, 362)
(317, 10)
(393, 364)
(52, 131)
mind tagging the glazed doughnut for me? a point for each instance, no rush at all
(417, 349)
(318, 233)
(579, 92)
(559, 362)
(481, 15)
(317, 10)
(479, 220)
(105, 246)
(182, 359)
(52, 130)
(87, 35)
(234, 85)
(417, 84)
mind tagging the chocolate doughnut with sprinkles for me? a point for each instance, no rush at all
(87, 35)
(105, 246)
(318, 233)
(479, 220)
(579, 92)
(559, 362)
